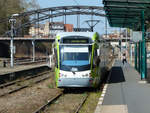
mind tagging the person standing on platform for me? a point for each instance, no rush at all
(124, 60)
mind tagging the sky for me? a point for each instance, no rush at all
(100, 27)
(53, 3)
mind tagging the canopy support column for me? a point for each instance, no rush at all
(139, 57)
(146, 62)
(143, 64)
(135, 58)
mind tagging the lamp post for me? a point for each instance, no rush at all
(12, 21)
(33, 50)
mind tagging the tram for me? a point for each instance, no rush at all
(77, 59)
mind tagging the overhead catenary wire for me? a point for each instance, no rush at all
(76, 2)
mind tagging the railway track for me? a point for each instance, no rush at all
(25, 61)
(30, 76)
(42, 108)
(81, 104)
(49, 107)
(17, 85)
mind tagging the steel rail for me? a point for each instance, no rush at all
(24, 86)
(26, 61)
(42, 108)
(49, 102)
(26, 78)
(81, 104)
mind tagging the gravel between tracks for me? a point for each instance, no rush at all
(68, 103)
(28, 99)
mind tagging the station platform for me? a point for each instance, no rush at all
(7, 70)
(124, 92)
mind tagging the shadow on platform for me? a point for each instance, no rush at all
(117, 75)
(148, 75)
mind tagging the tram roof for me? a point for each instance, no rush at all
(86, 34)
(125, 13)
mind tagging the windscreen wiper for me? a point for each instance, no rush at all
(73, 72)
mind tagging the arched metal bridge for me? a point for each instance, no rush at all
(52, 12)
(46, 13)
(95, 10)
(39, 15)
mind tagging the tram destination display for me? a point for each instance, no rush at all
(75, 41)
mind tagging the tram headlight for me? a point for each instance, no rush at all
(90, 75)
(62, 75)
(86, 75)
(59, 74)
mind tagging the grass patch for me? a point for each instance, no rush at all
(51, 85)
(18, 83)
(91, 103)
(31, 83)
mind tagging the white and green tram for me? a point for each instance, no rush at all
(76, 59)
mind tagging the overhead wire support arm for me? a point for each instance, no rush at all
(89, 22)
(76, 2)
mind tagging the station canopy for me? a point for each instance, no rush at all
(125, 13)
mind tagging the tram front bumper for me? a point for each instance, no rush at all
(75, 82)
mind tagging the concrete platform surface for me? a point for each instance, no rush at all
(125, 92)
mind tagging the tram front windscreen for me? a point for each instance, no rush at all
(75, 57)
